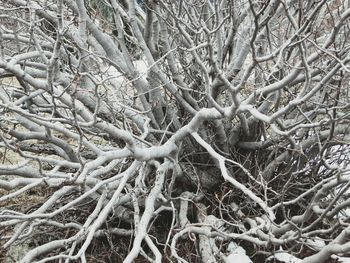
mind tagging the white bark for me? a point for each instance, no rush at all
(180, 126)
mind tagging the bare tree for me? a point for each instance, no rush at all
(163, 130)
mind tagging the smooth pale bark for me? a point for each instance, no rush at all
(181, 126)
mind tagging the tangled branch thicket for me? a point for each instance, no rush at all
(161, 131)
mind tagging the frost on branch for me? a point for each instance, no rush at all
(166, 131)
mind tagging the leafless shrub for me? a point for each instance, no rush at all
(175, 127)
